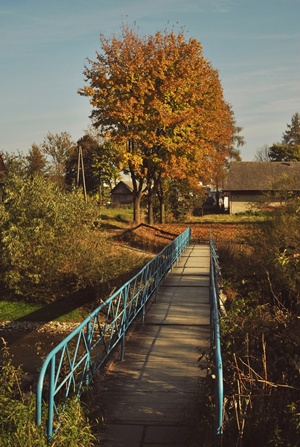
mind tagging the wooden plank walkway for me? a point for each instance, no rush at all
(148, 398)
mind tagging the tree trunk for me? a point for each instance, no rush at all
(162, 210)
(100, 193)
(137, 208)
(217, 196)
(137, 192)
(150, 209)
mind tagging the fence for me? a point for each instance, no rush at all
(216, 341)
(72, 364)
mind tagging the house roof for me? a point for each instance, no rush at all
(121, 187)
(260, 175)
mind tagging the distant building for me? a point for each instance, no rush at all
(121, 194)
(247, 182)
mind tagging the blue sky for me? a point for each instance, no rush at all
(255, 45)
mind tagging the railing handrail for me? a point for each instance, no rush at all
(98, 337)
(216, 341)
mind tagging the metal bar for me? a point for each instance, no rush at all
(51, 399)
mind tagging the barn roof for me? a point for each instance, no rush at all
(123, 186)
(260, 176)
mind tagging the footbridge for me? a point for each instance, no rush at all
(141, 349)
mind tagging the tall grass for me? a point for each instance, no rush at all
(17, 406)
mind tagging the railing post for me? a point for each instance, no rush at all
(123, 341)
(88, 343)
(51, 400)
(143, 313)
(124, 323)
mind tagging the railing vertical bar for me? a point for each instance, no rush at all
(51, 400)
(88, 349)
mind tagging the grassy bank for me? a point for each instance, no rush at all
(120, 219)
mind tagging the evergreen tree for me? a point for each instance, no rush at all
(292, 135)
(289, 148)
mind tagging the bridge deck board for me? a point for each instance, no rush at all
(149, 398)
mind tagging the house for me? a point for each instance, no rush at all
(247, 182)
(121, 194)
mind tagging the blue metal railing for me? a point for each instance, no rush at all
(73, 363)
(216, 341)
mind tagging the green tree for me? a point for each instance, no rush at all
(289, 148)
(292, 135)
(183, 197)
(74, 172)
(36, 161)
(160, 103)
(284, 152)
(59, 147)
(44, 237)
(16, 163)
(105, 169)
(100, 169)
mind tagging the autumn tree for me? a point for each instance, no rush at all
(160, 103)
(289, 148)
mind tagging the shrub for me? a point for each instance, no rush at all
(17, 423)
(52, 243)
(260, 335)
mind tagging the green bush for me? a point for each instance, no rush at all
(52, 242)
(260, 334)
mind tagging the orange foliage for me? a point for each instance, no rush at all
(160, 92)
(220, 231)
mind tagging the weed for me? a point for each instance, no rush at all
(17, 423)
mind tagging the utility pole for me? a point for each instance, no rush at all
(80, 166)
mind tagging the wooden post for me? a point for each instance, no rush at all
(80, 165)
